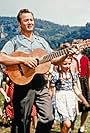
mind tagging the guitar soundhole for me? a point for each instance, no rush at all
(20, 69)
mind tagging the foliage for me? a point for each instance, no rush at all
(55, 34)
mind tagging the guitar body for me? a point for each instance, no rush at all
(22, 74)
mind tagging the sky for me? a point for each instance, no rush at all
(63, 12)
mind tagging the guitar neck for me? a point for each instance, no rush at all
(53, 55)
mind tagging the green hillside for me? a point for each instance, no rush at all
(55, 34)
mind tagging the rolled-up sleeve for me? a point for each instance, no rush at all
(8, 47)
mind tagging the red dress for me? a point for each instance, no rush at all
(84, 73)
(84, 61)
(9, 106)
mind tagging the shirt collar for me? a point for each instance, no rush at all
(33, 37)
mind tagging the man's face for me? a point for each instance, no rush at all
(27, 22)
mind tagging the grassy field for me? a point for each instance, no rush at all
(77, 124)
(57, 129)
(54, 130)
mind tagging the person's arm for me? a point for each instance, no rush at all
(79, 85)
(52, 90)
(5, 95)
(10, 60)
(80, 95)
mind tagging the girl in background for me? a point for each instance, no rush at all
(66, 85)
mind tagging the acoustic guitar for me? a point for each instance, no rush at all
(22, 74)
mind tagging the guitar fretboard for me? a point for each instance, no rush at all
(53, 55)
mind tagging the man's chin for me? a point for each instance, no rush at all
(30, 30)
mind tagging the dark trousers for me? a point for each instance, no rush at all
(85, 92)
(23, 99)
